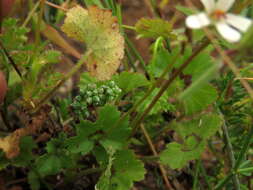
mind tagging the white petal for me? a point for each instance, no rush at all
(239, 22)
(197, 21)
(228, 32)
(224, 5)
(209, 5)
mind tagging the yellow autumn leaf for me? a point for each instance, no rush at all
(99, 30)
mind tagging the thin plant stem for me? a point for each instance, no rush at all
(136, 53)
(203, 171)
(90, 171)
(38, 26)
(231, 155)
(11, 61)
(74, 70)
(152, 147)
(129, 27)
(136, 123)
(227, 59)
(232, 66)
(223, 182)
(147, 94)
(56, 6)
(196, 175)
(31, 13)
(244, 149)
(130, 59)
(244, 83)
(151, 8)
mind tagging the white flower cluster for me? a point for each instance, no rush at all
(230, 26)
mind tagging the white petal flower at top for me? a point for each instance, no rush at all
(227, 24)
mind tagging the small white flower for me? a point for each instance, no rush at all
(228, 25)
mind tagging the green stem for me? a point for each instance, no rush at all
(136, 123)
(244, 149)
(203, 171)
(31, 13)
(90, 171)
(38, 27)
(74, 70)
(196, 175)
(136, 53)
(223, 182)
(147, 94)
(130, 59)
(11, 61)
(129, 27)
(231, 155)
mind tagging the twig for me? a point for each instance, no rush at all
(152, 147)
(56, 6)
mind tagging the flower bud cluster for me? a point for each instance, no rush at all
(92, 95)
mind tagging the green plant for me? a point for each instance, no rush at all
(180, 119)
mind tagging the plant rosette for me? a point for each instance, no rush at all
(229, 25)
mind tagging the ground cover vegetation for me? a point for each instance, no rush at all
(90, 101)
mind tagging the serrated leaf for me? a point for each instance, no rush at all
(128, 169)
(104, 180)
(129, 81)
(199, 99)
(48, 165)
(176, 157)
(113, 136)
(195, 134)
(55, 144)
(204, 127)
(99, 30)
(154, 28)
(161, 105)
(79, 145)
(116, 132)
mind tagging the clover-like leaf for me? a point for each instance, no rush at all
(99, 30)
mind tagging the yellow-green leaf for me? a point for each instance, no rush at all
(154, 28)
(99, 30)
